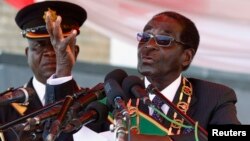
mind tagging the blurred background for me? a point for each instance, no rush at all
(108, 41)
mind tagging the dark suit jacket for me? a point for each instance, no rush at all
(8, 113)
(211, 104)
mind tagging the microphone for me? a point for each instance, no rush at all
(95, 112)
(20, 95)
(117, 74)
(56, 126)
(115, 95)
(117, 98)
(134, 85)
(96, 93)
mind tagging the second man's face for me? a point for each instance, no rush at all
(41, 58)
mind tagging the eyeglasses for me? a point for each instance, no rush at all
(161, 40)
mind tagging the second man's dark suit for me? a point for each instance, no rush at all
(8, 113)
(211, 103)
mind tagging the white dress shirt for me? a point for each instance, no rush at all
(169, 92)
(40, 87)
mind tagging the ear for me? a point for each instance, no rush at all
(77, 49)
(188, 55)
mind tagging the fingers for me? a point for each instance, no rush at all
(49, 23)
(71, 39)
(57, 32)
(54, 27)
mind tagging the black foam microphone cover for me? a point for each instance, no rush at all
(100, 108)
(130, 83)
(118, 75)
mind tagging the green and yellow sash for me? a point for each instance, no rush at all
(142, 123)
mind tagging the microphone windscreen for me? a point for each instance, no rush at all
(131, 81)
(100, 108)
(113, 90)
(117, 74)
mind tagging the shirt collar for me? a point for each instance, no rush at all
(169, 91)
(40, 89)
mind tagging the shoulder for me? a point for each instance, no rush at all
(204, 88)
(199, 83)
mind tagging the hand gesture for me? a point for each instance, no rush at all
(65, 49)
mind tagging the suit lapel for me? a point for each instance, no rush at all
(34, 103)
(191, 109)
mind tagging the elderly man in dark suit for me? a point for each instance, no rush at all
(166, 48)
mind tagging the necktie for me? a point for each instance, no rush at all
(158, 104)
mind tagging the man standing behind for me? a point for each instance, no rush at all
(49, 55)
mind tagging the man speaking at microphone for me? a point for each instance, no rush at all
(166, 48)
(50, 28)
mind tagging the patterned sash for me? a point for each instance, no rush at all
(145, 124)
(182, 105)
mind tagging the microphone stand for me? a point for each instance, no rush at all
(7, 91)
(119, 128)
(19, 128)
(30, 115)
(122, 114)
(60, 119)
(154, 90)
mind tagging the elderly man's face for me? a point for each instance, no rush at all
(41, 58)
(161, 61)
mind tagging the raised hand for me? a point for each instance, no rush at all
(65, 49)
